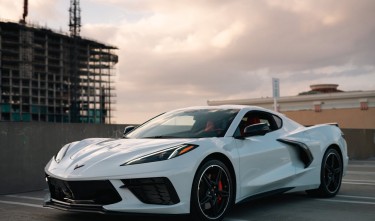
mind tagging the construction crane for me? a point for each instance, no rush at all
(74, 18)
(75, 28)
(25, 12)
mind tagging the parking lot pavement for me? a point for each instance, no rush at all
(355, 201)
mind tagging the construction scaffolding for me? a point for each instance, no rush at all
(51, 77)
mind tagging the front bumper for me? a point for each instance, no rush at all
(179, 171)
(155, 195)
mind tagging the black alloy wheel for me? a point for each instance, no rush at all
(331, 175)
(212, 193)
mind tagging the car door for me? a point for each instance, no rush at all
(265, 163)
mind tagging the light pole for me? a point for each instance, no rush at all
(275, 92)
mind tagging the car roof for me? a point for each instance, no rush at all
(226, 107)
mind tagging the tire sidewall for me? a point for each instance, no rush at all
(324, 192)
(195, 210)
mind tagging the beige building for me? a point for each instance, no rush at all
(323, 104)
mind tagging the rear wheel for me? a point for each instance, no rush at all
(330, 175)
(212, 192)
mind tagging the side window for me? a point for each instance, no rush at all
(278, 121)
(256, 117)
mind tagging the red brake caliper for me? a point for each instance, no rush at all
(220, 187)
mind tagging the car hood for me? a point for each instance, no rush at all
(106, 153)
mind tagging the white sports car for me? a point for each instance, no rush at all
(198, 161)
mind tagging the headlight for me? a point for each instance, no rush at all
(163, 154)
(60, 155)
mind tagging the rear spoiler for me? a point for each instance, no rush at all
(332, 124)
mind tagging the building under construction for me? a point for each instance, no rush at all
(51, 77)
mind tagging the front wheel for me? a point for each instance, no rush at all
(330, 175)
(212, 192)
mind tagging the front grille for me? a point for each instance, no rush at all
(158, 190)
(97, 192)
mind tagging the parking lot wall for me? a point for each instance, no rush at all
(25, 149)
(361, 143)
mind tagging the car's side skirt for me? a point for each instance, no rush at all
(266, 194)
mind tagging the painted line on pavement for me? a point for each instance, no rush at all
(355, 162)
(360, 173)
(25, 197)
(23, 204)
(355, 183)
(360, 181)
(357, 197)
(347, 201)
(360, 165)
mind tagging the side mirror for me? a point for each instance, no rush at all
(127, 130)
(257, 129)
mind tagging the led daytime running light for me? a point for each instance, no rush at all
(165, 154)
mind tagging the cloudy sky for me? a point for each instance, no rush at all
(178, 53)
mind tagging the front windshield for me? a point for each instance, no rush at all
(187, 124)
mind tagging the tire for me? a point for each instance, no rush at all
(330, 175)
(212, 192)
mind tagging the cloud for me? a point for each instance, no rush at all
(11, 10)
(181, 53)
(206, 50)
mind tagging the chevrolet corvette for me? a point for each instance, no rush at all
(199, 161)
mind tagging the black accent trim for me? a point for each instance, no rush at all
(74, 207)
(100, 210)
(157, 190)
(304, 151)
(266, 194)
(82, 193)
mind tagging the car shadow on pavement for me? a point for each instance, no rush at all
(247, 209)
(264, 206)
(73, 216)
